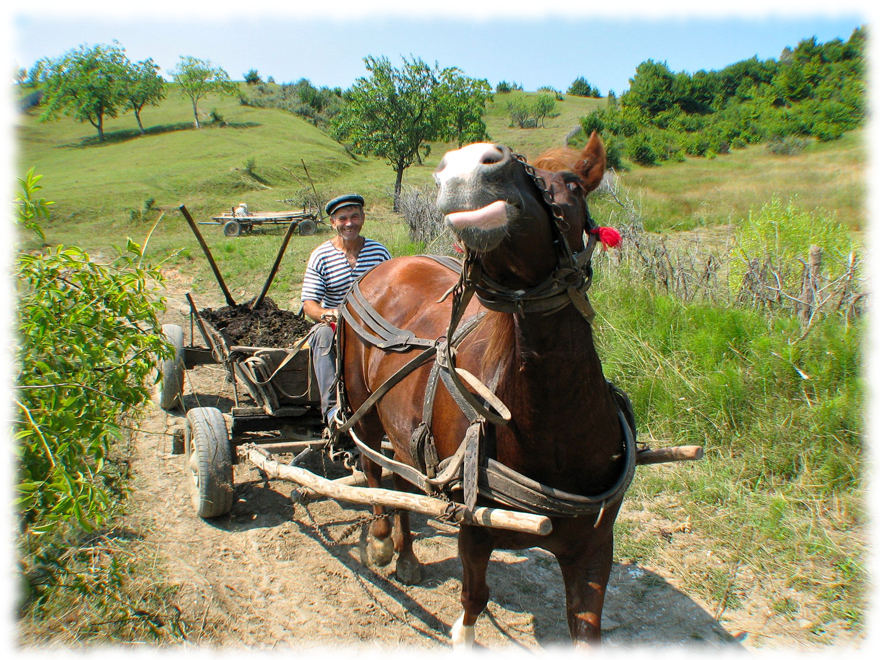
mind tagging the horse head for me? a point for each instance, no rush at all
(491, 200)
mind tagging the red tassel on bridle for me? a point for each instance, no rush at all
(608, 236)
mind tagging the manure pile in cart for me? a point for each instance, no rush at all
(268, 326)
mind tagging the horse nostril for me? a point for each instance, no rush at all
(493, 154)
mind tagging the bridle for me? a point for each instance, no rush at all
(566, 284)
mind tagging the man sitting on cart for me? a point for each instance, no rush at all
(332, 269)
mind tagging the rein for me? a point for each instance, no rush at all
(468, 468)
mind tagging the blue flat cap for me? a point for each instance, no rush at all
(344, 200)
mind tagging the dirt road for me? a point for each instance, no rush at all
(270, 575)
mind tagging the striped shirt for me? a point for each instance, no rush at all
(329, 276)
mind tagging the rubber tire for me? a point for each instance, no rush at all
(208, 462)
(232, 229)
(307, 228)
(168, 391)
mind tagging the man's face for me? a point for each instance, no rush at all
(348, 221)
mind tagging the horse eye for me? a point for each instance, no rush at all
(572, 186)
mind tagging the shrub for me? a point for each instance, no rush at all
(424, 221)
(640, 150)
(88, 339)
(580, 87)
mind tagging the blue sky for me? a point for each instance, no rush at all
(532, 45)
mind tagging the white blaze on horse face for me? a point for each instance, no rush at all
(462, 166)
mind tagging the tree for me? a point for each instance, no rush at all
(580, 87)
(143, 86)
(392, 113)
(543, 106)
(651, 89)
(464, 104)
(252, 77)
(197, 78)
(87, 84)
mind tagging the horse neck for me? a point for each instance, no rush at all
(552, 381)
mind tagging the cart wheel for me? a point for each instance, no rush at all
(307, 227)
(208, 462)
(232, 228)
(167, 392)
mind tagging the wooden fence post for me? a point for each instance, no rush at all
(810, 284)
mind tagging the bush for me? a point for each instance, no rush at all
(580, 87)
(88, 339)
(505, 87)
(425, 222)
(640, 150)
(787, 146)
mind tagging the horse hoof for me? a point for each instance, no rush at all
(408, 571)
(380, 552)
(462, 636)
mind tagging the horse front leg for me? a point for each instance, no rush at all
(586, 580)
(474, 548)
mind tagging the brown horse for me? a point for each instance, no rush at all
(565, 430)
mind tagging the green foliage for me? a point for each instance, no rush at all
(505, 87)
(463, 103)
(814, 91)
(394, 113)
(87, 84)
(252, 77)
(196, 79)
(88, 338)
(529, 112)
(580, 87)
(143, 86)
(302, 98)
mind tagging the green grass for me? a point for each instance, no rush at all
(779, 494)
(704, 192)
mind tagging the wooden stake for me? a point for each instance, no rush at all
(274, 271)
(192, 224)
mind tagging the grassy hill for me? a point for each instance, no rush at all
(255, 156)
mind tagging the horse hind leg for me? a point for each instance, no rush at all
(408, 569)
(380, 547)
(474, 548)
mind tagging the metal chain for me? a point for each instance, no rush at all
(546, 192)
(348, 531)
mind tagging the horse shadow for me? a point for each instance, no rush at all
(641, 607)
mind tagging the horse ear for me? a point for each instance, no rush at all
(591, 167)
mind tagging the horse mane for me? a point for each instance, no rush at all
(558, 159)
(499, 343)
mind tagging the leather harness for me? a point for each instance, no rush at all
(469, 468)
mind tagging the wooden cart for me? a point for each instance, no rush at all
(236, 223)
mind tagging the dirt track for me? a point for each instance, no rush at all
(266, 576)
